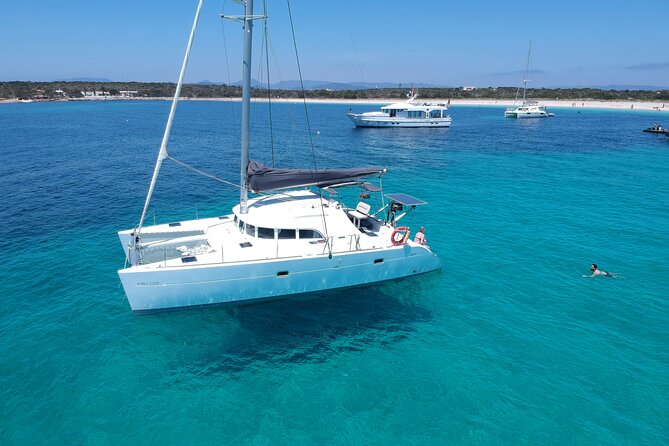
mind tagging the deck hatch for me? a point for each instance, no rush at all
(245, 244)
(378, 261)
(282, 274)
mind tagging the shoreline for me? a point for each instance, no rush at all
(560, 103)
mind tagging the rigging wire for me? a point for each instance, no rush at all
(282, 156)
(311, 139)
(304, 97)
(264, 62)
(259, 81)
(201, 172)
(235, 118)
(350, 34)
(269, 89)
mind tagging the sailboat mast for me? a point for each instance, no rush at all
(246, 105)
(527, 68)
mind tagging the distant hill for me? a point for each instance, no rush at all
(343, 86)
(85, 79)
(327, 85)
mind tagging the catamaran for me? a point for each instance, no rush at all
(527, 109)
(410, 113)
(295, 236)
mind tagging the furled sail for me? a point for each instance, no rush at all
(261, 178)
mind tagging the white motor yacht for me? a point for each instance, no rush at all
(410, 113)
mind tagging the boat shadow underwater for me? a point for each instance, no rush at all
(310, 329)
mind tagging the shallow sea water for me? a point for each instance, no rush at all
(507, 344)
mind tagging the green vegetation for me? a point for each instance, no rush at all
(73, 90)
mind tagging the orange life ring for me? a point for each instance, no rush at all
(402, 232)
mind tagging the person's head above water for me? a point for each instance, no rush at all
(593, 267)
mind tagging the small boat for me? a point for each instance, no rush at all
(527, 109)
(409, 113)
(657, 128)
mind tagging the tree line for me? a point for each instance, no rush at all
(73, 90)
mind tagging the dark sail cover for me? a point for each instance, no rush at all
(262, 178)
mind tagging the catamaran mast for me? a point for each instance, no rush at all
(527, 67)
(246, 105)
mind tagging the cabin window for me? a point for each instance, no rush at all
(310, 233)
(435, 114)
(251, 230)
(266, 233)
(235, 219)
(415, 114)
(286, 234)
(241, 225)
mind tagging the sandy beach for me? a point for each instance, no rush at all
(614, 105)
(619, 105)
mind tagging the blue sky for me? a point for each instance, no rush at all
(443, 42)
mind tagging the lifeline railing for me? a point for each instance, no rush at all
(350, 243)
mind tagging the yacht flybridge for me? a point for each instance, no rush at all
(296, 236)
(410, 113)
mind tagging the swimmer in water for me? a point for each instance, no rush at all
(598, 272)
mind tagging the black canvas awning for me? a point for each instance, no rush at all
(262, 178)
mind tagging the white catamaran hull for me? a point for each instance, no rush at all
(151, 290)
(378, 122)
(525, 115)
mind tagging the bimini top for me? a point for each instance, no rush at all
(261, 178)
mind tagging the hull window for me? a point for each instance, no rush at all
(265, 233)
(310, 233)
(286, 234)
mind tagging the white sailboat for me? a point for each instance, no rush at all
(296, 236)
(527, 109)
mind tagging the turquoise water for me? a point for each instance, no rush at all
(508, 344)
